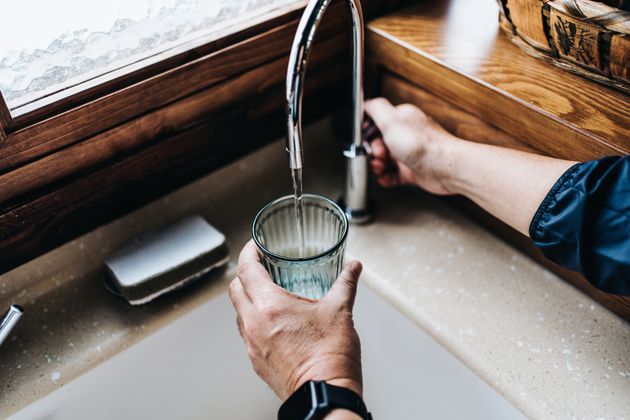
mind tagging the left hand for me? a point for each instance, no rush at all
(290, 339)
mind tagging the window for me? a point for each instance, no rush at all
(69, 42)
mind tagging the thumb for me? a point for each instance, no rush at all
(344, 289)
(382, 112)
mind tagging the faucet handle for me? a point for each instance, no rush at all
(10, 318)
(370, 131)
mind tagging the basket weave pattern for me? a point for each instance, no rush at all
(582, 36)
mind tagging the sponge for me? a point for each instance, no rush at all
(165, 260)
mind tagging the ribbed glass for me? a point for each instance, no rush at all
(326, 227)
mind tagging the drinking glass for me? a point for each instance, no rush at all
(275, 231)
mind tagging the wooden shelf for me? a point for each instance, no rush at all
(455, 50)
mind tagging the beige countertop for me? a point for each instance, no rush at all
(546, 347)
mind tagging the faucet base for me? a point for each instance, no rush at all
(356, 196)
(356, 217)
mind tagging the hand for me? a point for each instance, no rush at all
(290, 339)
(410, 149)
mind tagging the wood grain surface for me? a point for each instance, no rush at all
(454, 49)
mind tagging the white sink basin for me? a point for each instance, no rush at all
(197, 368)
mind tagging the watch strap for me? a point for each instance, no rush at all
(315, 399)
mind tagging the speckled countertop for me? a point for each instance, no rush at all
(550, 350)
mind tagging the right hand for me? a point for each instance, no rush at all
(410, 149)
(290, 339)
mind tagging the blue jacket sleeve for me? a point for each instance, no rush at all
(584, 223)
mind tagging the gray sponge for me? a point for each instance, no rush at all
(165, 260)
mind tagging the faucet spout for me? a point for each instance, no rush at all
(356, 194)
(9, 320)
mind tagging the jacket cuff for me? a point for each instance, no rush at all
(536, 230)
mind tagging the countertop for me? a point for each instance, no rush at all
(549, 349)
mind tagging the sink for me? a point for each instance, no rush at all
(196, 367)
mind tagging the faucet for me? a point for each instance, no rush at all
(10, 318)
(355, 201)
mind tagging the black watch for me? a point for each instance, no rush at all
(315, 399)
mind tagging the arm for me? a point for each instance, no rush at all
(577, 214)
(506, 183)
(414, 149)
(291, 340)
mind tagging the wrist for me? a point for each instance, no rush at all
(437, 171)
(350, 384)
(342, 414)
(340, 371)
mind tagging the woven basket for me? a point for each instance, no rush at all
(582, 36)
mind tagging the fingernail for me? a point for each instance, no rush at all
(356, 267)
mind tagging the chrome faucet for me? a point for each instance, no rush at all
(10, 318)
(355, 200)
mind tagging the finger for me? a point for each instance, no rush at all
(344, 290)
(379, 149)
(388, 180)
(239, 297)
(378, 167)
(381, 111)
(252, 274)
(369, 130)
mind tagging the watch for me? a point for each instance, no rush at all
(315, 399)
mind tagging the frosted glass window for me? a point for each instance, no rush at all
(50, 45)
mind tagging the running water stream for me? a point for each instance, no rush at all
(299, 210)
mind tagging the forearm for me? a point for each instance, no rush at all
(507, 183)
